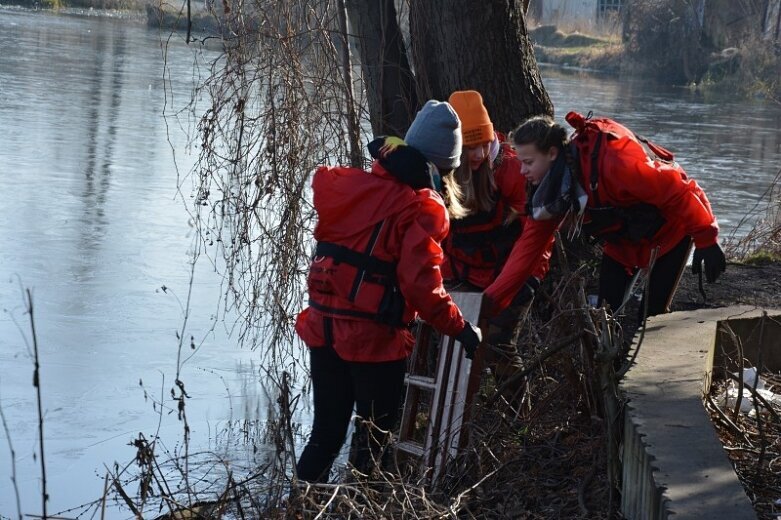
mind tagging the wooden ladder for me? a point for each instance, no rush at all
(440, 385)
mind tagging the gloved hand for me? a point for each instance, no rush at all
(470, 338)
(715, 262)
(527, 292)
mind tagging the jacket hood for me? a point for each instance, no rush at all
(348, 200)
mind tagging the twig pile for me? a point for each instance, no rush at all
(755, 453)
(542, 449)
(541, 445)
(751, 439)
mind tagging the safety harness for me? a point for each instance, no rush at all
(370, 269)
(483, 240)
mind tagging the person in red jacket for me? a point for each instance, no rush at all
(375, 267)
(670, 209)
(486, 198)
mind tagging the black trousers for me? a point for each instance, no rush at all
(666, 272)
(373, 389)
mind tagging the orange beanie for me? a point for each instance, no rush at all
(476, 126)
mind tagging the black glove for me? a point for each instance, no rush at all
(470, 338)
(715, 262)
(527, 292)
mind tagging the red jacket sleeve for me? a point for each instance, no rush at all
(677, 197)
(543, 266)
(418, 270)
(528, 251)
(511, 183)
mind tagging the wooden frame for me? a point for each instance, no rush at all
(439, 368)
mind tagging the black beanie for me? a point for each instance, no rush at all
(404, 162)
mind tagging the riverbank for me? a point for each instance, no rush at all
(135, 10)
(141, 11)
(750, 70)
(133, 15)
(588, 52)
(113, 8)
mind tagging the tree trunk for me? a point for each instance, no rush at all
(389, 83)
(354, 124)
(463, 44)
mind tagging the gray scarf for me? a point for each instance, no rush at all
(558, 193)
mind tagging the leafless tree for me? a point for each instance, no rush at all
(456, 44)
(285, 97)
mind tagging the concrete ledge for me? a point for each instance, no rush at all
(673, 461)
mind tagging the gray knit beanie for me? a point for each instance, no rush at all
(436, 132)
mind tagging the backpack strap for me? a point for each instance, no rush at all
(594, 174)
(364, 261)
(367, 254)
(660, 151)
(370, 269)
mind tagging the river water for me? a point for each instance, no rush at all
(96, 227)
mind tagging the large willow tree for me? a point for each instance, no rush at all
(455, 45)
(289, 93)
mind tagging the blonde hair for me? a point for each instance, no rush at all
(478, 188)
(451, 193)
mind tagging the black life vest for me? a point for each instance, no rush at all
(355, 284)
(483, 239)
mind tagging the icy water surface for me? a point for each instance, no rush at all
(94, 226)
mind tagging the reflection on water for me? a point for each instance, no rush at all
(93, 224)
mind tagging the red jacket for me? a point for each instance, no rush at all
(478, 246)
(624, 180)
(351, 205)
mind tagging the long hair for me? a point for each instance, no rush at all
(451, 193)
(475, 190)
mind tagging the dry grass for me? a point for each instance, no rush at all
(604, 57)
(750, 70)
(762, 241)
(546, 449)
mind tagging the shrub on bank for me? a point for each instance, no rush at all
(753, 69)
(663, 38)
(762, 243)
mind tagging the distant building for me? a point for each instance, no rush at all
(589, 12)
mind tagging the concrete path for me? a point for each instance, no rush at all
(669, 436)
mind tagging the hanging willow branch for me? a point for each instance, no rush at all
(278, 108)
